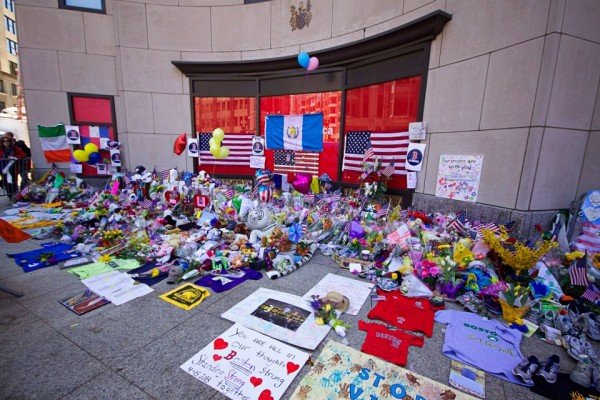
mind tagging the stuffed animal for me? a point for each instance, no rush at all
(241, 228)
(260, 221)
(214, 234)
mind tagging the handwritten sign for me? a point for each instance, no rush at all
(417, 130)
(244, 364)
(257, 162)
(458, 177)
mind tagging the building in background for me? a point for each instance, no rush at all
(10, 90)
(514, 81)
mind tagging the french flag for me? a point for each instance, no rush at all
(294, 132)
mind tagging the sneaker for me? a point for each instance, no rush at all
(548, 319)
(582, 374)
(578, 346)
(589, 325)
(549, 370)
(527, 368)
(563, 323)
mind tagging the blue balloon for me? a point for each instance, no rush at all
(303, 59)
(94, 158)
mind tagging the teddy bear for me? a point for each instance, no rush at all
(242, 229)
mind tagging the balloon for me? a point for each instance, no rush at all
(80, 155)
(302, 183)
(313, 63)
(94, 158)
(223, 152)
(356, 230)
(212, 142)
(180, 144)
(303, 59)
(73, 159)
(90, 148)
(218, 135)
(215, 151)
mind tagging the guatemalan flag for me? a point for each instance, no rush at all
(295, 132)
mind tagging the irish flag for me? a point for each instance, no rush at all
(54, 143)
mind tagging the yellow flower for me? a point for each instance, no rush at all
(105, 258)
(319, 321)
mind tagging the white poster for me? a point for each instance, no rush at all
(411, 180)
(257, 162)
(192, 147)
(414, 156)
(76, 168)
(115, 157)
(258, 146)
(243, 364)
(356, 291)
(417, 130)
(282, 316)
(458, 177)
(73, 136)
(94, 131)
(102, 170)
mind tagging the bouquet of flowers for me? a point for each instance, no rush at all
(326, 314)
(373, 180)
(428, 271)
(515, 303)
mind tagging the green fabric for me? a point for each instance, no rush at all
(100, 268)
(52, 131)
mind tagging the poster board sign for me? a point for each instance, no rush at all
(257, 162)
(458, 177)
(417, 130)
(115, 157)
(258, 146)
(341, 372)
(186, 296)
(73, 135)
(282, 316)
(414, 156)
(192, 147)
(356, 291)
(243, 364)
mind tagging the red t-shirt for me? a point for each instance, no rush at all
(386, 344)
(411, 314)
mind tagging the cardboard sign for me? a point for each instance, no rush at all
(257, 162)
(414, 156)
(172, 197)
(201, 201)
(192, 147)
(115, 157)
(258, 146)
(244, 364)
(417, 130)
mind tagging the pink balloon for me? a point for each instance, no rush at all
(302, 183)
(313, 63)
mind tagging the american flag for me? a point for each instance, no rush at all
(490, 226)
(508, 225)
(228, 193)
(357, 143)
(286, 161)
(589, 240)
(383, 211)
(368, 154)
(309, 198)
(24, 191)
(399, 235)
(459, 223)
(53, 172)
(123, 197)
(578, 272)
(240, 149)
(591, 293)
(389, 169)
(162, 174)
(386, 146)
(146, 204)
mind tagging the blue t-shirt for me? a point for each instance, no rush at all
(484, 344)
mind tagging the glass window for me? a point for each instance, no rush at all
(384, 110)
(13, 87)
(2, 105)
(10, 25)
(13, 67)
(9, 5)
(283, 161)
(1, 86)
(237, 117)
(84, 5)
(12, 47)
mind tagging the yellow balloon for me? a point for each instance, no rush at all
(214, 147)
(223, 152)
(218, 135)
(81, 156)
(90, 148)
(215, 151)
(212, 142)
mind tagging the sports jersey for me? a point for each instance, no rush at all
(387, 344)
